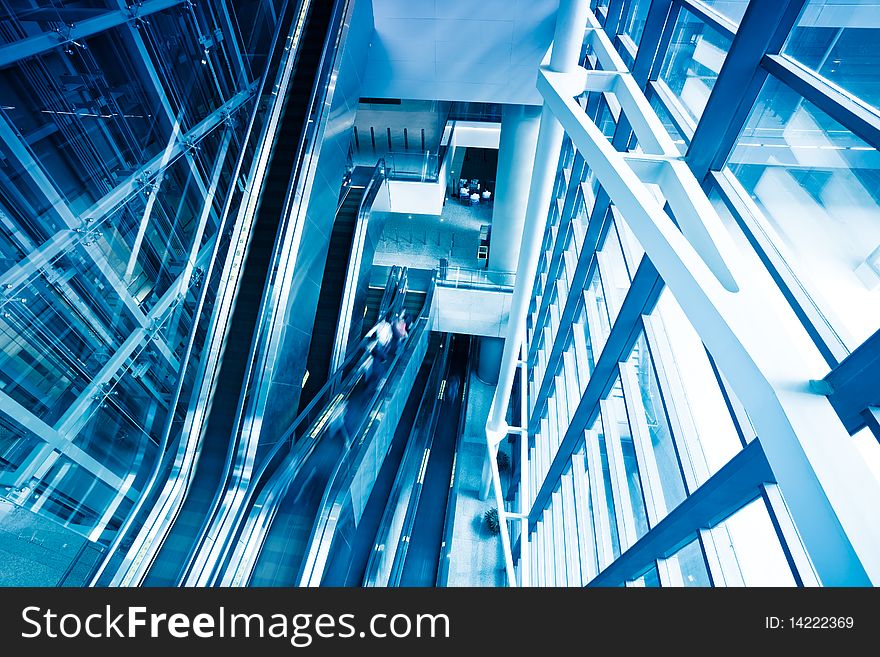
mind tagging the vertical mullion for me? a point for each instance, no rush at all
(599, 496)
(649, 473)
(620, 488)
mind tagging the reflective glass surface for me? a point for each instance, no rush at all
(634, 506)
(693, 62)
(839, 42)
(732, 9)
(634, 23)
(110, 213)
(749, 546)
(818, 187)
(650, 415)
(689, 565)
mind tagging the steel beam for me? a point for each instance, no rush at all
(855, 384)
(11, 53)
(732, 487)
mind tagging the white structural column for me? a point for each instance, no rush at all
(571, 23)
(516, 157)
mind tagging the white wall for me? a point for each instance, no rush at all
(409, 197)
(472, 312)
(469, 50)
(477, 134)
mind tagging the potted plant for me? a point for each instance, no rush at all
(491, 519)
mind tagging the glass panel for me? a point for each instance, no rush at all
(690, 565)
(677, 138)
(69, 494)
(597, 435)
(650, 579)
(693, 61)
(605, 118)
(85, 118)
(839, 42)
(651, 414)
(630, 463)
(583, 504)
(16, 444)
(818, 186)
(632, 248)
(755, 546)
(597, 313)
(732, 9)
(698, 402)
(868, 446)
(636, 14)
(87, 113)
(615, 276)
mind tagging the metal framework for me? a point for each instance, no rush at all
(110, 217)
(584, 386)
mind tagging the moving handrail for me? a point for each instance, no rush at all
(385, 560)
(339, 489)
(280, 467)
(156, 497)
(354, 270)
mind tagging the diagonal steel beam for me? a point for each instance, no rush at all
(11, 53)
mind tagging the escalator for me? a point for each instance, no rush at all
(173, 557)
(422, 561)
(332, 286)
(347, 562)
(292, 532)
(371, 309)
(413, 303)
(280, 515)
(408, 545)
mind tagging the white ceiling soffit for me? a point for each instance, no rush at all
(468, 50)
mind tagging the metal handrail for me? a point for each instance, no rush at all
(338, 488)
(280, 59)
(423, 175)
(280, 468)
(476, 279)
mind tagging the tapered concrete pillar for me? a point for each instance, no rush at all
(516, 157)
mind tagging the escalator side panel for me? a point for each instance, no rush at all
(423, 556)
(348, 562)
(172, 558)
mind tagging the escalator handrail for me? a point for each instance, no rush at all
(349, 292)
(338, 487)
(279, 55)
(299, 450)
